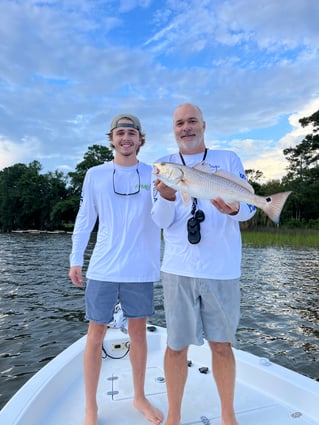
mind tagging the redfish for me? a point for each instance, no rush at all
(200, 182)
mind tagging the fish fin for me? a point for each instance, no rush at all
(203, 167)
(274, 205)
(185, 197)
(235, 179)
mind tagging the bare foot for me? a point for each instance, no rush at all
(150, 412)
(90, 417)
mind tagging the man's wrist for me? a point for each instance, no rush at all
(169, 198)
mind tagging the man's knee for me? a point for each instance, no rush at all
(96, 333)
(137, 330)
(176, 354)
(221, 348)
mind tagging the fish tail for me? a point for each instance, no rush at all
(274, 205)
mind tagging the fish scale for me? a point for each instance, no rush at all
(206, 188)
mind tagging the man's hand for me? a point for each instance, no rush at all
(230, 208)
(75, 274)
(165, 191)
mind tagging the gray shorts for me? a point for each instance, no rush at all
(136, 300)
(200, 308)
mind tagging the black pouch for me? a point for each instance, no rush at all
(193, 230)
(193, 226)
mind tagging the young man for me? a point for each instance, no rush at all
(125, 261)
(201, 268)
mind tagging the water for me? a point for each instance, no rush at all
(41, 312)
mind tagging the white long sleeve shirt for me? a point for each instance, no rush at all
(127, 248)
(218, 254)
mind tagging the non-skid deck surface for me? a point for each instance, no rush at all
(200, 399)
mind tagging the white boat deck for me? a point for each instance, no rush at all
(266, 394)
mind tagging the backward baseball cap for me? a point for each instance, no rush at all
(134, 124)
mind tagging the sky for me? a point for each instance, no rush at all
(67, 67)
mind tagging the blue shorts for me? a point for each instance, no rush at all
(200, 308)
(136, 300)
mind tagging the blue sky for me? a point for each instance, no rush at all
(68, 66)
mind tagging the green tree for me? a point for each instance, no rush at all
(9, 200)
(253, 177)
(27, 197)
(306, 154)
(56, 191)
(20, 198)
(303, 172)
(96, 154)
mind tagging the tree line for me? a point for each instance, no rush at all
(30, 199)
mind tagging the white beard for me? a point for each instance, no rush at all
(190, 146)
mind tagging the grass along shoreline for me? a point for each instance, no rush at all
(294, 238)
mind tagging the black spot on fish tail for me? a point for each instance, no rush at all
(274, 205)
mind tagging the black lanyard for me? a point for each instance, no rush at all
(194, 199)
(204, 157)
(193, 223)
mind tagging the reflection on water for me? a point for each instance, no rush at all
(279, 307)
(41, 312)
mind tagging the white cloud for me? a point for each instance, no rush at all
(270, 24)
(66, 68)
(298, 132)
(262, 155)
(24, 152)
(271, 162)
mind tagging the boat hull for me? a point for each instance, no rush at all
(266, 394)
